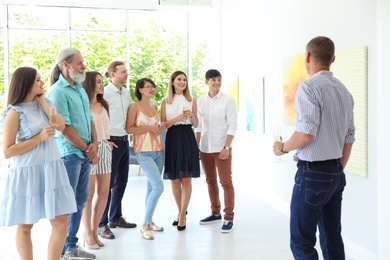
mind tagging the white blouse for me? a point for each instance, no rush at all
(176, 108)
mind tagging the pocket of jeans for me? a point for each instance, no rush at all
(316, 190)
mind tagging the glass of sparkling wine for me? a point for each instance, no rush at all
(185, 110)
(53, 117)
(278, 138)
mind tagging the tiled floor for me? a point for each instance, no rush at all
(260, 231)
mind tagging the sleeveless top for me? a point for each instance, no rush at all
(102, 124)
(176, 108)
(147, 141)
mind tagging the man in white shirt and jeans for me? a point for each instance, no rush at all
(119, 100)
(217, 127)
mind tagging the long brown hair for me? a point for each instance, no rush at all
(171, 88)
(21, 83)
(89, 86)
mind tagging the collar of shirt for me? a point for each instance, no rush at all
(111, 87)
(216, 96)
(63, 82)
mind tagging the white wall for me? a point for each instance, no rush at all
(383, 125)
(256, 38)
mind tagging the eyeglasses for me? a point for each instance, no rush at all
(149, 86)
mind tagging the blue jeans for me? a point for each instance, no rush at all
(152, 164)
(118, 182)
(78, 173)
(316, 200)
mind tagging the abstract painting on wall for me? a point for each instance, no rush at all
(350, 67)
(294, 72)
(233, 90)
(255, 108)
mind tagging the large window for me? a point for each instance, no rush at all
(152, 43)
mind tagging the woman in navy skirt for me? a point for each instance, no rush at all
(179, 116)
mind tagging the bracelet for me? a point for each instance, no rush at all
(281, 148)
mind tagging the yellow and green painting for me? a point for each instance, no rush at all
(350, 66)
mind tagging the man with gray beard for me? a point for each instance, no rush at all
(78, 141)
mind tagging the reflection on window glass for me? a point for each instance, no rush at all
(98, 18)
(37, 17)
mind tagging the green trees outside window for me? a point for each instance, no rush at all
(152, 43)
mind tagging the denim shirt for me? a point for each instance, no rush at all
(73, 105)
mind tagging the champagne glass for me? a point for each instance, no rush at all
(186, 110)
(53, 117)
(278, 138)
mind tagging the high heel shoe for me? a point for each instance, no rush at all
(99, 243)
(93, 246)
(176, 222)
(181, 228)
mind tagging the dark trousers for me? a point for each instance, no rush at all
(316, 201)
(118, 182)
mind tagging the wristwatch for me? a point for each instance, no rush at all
(281, 148)
(227, 148)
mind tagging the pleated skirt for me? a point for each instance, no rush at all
(181, 153)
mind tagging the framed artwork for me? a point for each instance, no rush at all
(233, 90)
(294, 72)
(255, 107)
(350, 67)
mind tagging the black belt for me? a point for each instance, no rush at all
(119, 138)
(318, 163)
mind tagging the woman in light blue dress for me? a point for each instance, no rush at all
(37, 183)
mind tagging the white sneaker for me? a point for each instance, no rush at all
(77, 253)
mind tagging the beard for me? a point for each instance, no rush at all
(78, 76)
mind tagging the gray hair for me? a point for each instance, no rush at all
(65, 54)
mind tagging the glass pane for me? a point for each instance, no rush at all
(158, 46)
(37, 17)
(35, 48)
(1, 16)
(200, 30)
(98, 18)
(100, 49)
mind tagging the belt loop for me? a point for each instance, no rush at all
(307, 164)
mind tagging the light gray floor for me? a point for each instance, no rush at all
(260, 231)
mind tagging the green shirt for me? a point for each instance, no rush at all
(73, 105)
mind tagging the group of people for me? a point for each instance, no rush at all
(75, 169)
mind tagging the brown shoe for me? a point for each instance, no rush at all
(105, 232)
(122, 223)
